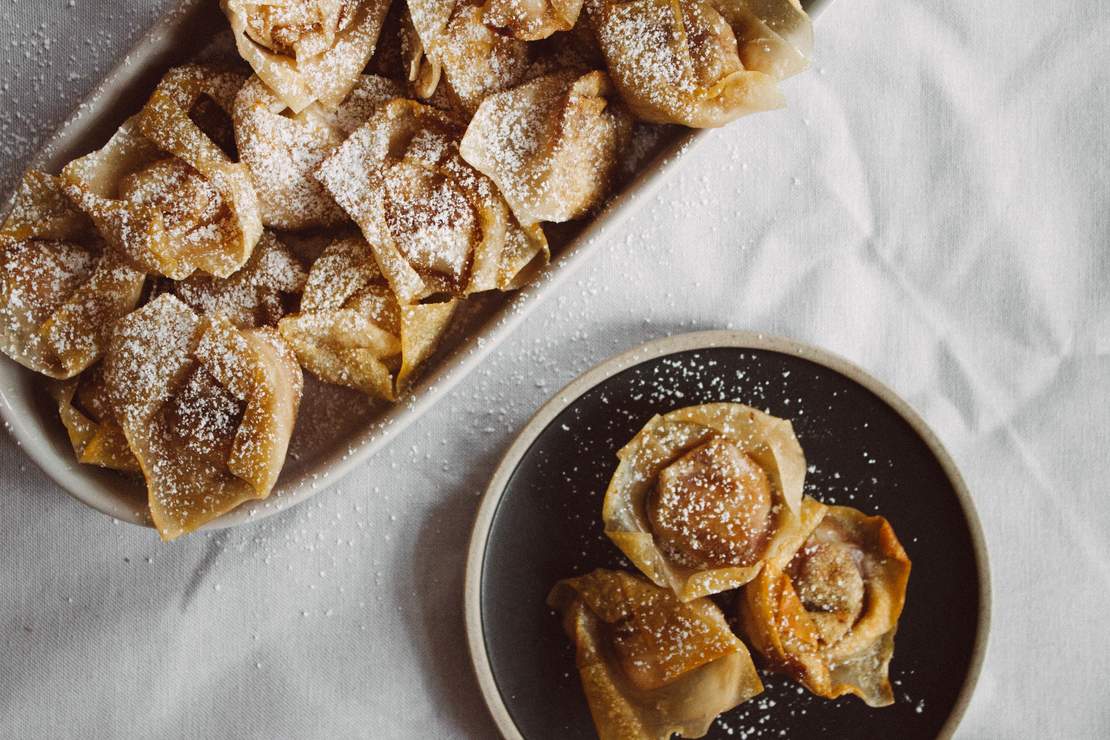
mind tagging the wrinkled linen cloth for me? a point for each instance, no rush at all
(933, 205)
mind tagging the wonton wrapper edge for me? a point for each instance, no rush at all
(328, 76)
(100, 443)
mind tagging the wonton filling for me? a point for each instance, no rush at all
(712, 508)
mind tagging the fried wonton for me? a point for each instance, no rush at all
(680, 61)
(829, 616)
(351, 330)
(651, 665)
(207, 409)
(260, 294)
(551, 145)
(704, 496)
(772, 36)
(162, 192)
(282, 149)
(307, 51)
(60, 288)
(86, 412)
(531, 20)
(435, 224)
(453, 42)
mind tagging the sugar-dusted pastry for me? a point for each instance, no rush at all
(282, 149)
(680, 61)
(60, 289)
(435, 224)
(551, 145)
(651, 665)
(162, 192)
(773, 36)
(705, 496)
(86, 412)
(207, 409)
(829, 616)
(531, 20)
(351, 331)
(453, 44)
(307, 51)
(259, 294)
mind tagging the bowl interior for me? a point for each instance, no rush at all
(861, 452)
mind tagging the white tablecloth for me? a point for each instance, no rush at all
(933, 205)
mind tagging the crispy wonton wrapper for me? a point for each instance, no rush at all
(531, 20)
(86, 413)
(663, 446)
(650, 664)
(162, 192)
(828, 617)
(772, 36)
(207, 409)
(307, 51)
(352, 332)
(551, 145)
(435, 224)
(260, 294)
(60, 289)
(282, 149)
(681, 61)
(452, 41)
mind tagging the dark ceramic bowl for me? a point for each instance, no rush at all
(540, 521)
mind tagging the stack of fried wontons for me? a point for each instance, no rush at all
(326, 203)
(708, 500)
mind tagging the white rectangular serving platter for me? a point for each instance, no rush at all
(337, 429)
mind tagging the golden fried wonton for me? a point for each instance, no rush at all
(773, 36)
(351, 330)
(551, 145)
(682, 61)
(60, 288)
(704, 496)
(207, 409)
(283, 149)
(650, 664)
(162, 192)
(307, 51)
(829, 616)
(435, 224)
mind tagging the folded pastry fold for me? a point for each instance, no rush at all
(435, 224)
(351, 331)
(828, 616)
(453, 44)
(772, 36)
(206, 409)
(551, 145)
(531, 20)
(259, 294)
(162, 192)
(307, 51)
(651, 665)
(86, 412)
(700, 63)
(282, 149)
(61, 289)
(705, 496)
